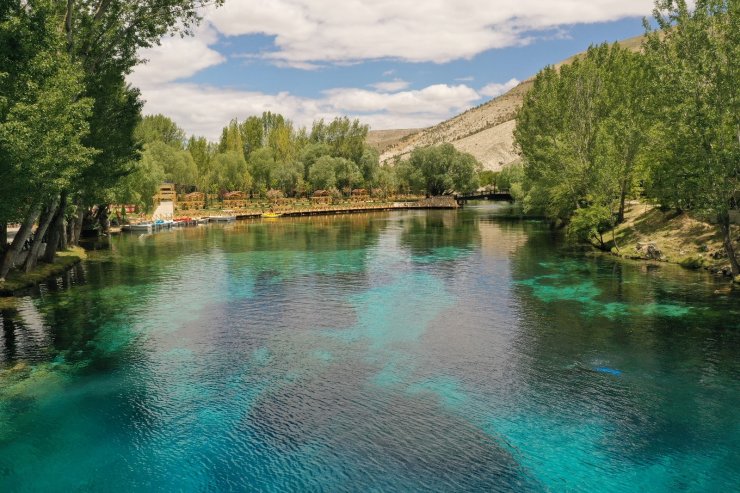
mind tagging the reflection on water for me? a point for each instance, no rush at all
(440, 350)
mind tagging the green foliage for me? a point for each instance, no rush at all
(369, 166)
(488, 178)
(590, 223)
(43, 124)
(252, 135)
(444, 169)
(510, 176)
(696, 61)
(159, 128)
(345, 137)
(230, 172)
(231, 138)
(261, 165)
(177, 165)
(322, 174)
(582, 131)
(288, 177)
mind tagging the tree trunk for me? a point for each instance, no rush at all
(20, 238)
(622, 196)
(77, 230)
(724, 224)
(3, 236)
(63, 233)
(56, 230)
(38, 239)
(103, 219)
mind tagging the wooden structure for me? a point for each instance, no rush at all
(166, 193)
(235, 200)
(321, 197)
(360, 195)
(192, 201)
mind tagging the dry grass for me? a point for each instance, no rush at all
(680, 237)
(381, 140)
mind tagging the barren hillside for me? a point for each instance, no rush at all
(486, 131)
(383, 139)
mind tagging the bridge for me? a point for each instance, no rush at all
(499, 195)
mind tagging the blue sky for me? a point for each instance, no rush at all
(393, 64)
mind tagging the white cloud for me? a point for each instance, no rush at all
(391, 86)
(435, 30)
(177, 58)
(494, 89)
(312, 34)
(204, 110)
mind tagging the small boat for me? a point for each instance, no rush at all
(163, 223)
(221, 219)
(203, 220)
(140, 227)
(269, 215)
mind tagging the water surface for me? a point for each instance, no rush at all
(406, 351)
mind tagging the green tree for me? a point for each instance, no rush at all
(696, 59)
(370, 166)
(582, 131)
(347, 174)
(230, 172)
(311, 153)
(322, 174)
(231, 138)
(261, 165)
(159, 128)
(445, 169)
(42, 123)
(177, 165)
(252, 135)
(288, 177)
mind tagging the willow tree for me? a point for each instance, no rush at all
(103, 37)
(42, 122)
(696, 58)
(444, 169)
(582, 130)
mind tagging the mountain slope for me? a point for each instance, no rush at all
(486, 131)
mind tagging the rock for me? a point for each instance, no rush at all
(719, 254)
(704, 248)
(653, 253)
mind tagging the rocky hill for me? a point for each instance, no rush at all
(486, 131)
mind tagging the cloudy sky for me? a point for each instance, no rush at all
(392, 63)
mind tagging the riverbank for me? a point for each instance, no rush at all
(668, 236)
(303, 208)
(18, 281)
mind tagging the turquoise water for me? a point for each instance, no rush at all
(407, 351)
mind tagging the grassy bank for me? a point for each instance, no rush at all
(17, 280)
(668, 236)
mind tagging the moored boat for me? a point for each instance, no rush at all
(138, 227)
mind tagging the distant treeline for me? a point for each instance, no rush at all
(663, 124)
(268, 153)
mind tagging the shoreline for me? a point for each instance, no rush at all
(649, 234)
(18, 282)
